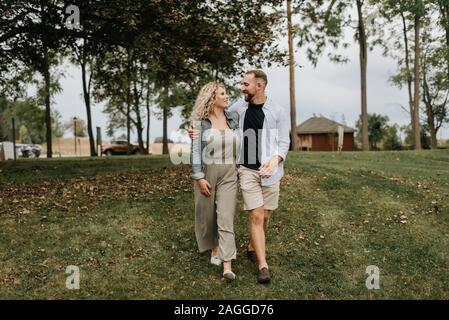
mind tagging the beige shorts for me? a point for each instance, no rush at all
(254, 194)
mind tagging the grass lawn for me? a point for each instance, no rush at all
(127, 223)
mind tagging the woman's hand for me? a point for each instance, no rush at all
(205, 187)
(193, 134)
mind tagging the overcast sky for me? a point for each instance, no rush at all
(331, 90)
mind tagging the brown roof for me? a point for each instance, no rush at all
(321, 125)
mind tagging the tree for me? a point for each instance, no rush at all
(215, 22)
(177, 41)
(443, 10)
(84, 53)
(58, 125)
(429, 73)
(30, 113)
(325, 24)
(30, 35)
(392, 10)
(81, 130)
(410, 138)
(413, 13)
(127, 88)
(377, 127)
(181, 41)
(24, 136)
(35, 35)
(391, 139)
(315, 30)
(363, 70)
(418, 11)
(435, 85)
(4, 105)
(291, 63)
(30, 119)
(149, 96)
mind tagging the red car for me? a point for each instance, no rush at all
(119, 147)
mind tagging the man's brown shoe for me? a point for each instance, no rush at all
(264, 276)
(251, 255)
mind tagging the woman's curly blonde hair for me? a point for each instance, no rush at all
(204, 103)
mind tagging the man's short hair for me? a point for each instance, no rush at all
(259, 74)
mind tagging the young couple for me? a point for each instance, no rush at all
(247, 143)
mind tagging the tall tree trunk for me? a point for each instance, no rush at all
(447, 42)
(165, 133)
(139, 124)
(444, 13)
(47, 80)
(429, 112)
(363, 72)
(147, 105)
(86, 95)
(293, 133)
(417, 133)
(409, 71)
(45, 71)
(164, 121)
(139, 127)
(128, 100)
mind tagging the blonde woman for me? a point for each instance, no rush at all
(215, 174)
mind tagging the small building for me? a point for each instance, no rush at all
(322, 134)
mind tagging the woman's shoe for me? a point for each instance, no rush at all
(215, 260)
(229, 275)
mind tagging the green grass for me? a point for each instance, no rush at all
(127, 223)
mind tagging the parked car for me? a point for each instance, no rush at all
(117, 147)
(28, 150)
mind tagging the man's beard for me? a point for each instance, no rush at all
(248, 97)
